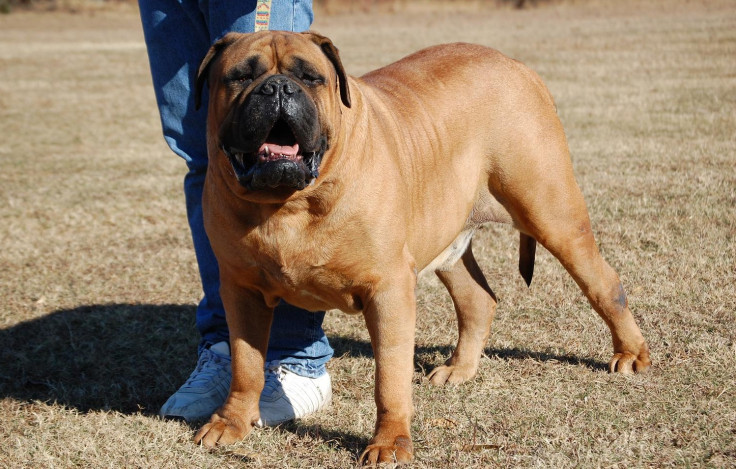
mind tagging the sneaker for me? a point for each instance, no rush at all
(286, 395)
(205, 390)
(289, 396)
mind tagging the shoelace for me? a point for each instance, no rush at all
(275, 369)
(208, 366)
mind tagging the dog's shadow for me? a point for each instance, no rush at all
(121, 357)
(130, 357)
(424, 354)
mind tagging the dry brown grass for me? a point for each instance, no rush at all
(99, 281)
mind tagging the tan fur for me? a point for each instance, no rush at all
(432, 146)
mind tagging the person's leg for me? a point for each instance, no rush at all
(177, 37)
(178, 34)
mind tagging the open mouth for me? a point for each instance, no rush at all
(280, 144)
(279, 161)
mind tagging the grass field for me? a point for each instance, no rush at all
(99, 282)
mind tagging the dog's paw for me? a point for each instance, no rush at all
(627, 362)
(451, 374)
(222, 431)
(400, 452)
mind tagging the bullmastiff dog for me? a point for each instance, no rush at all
(333, 192)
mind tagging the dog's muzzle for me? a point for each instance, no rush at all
(272, 136)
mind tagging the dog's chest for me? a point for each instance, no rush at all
(307, 266)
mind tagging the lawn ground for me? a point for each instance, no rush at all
(99, 282)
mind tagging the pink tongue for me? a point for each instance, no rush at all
(286, 150)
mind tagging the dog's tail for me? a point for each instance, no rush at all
(527, 248)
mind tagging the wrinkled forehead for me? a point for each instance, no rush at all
(271, 49)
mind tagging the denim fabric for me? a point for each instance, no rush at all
(178, 34)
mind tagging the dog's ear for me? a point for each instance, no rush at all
(329, 49)
(204, 67)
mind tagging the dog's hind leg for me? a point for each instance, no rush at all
(554, 214)
(475, 305)
(572, 243)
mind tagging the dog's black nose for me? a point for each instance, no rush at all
(278, 84)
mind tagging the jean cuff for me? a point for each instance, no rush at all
(301, 369)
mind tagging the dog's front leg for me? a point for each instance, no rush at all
(390, 317)
(249, 321)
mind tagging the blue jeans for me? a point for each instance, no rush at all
(178, 34)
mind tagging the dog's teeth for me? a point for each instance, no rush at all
(267, 150)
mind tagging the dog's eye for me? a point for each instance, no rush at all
(240, 78)
(312, 79)
(244, 80)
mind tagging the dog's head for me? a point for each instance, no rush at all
(275, 99)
